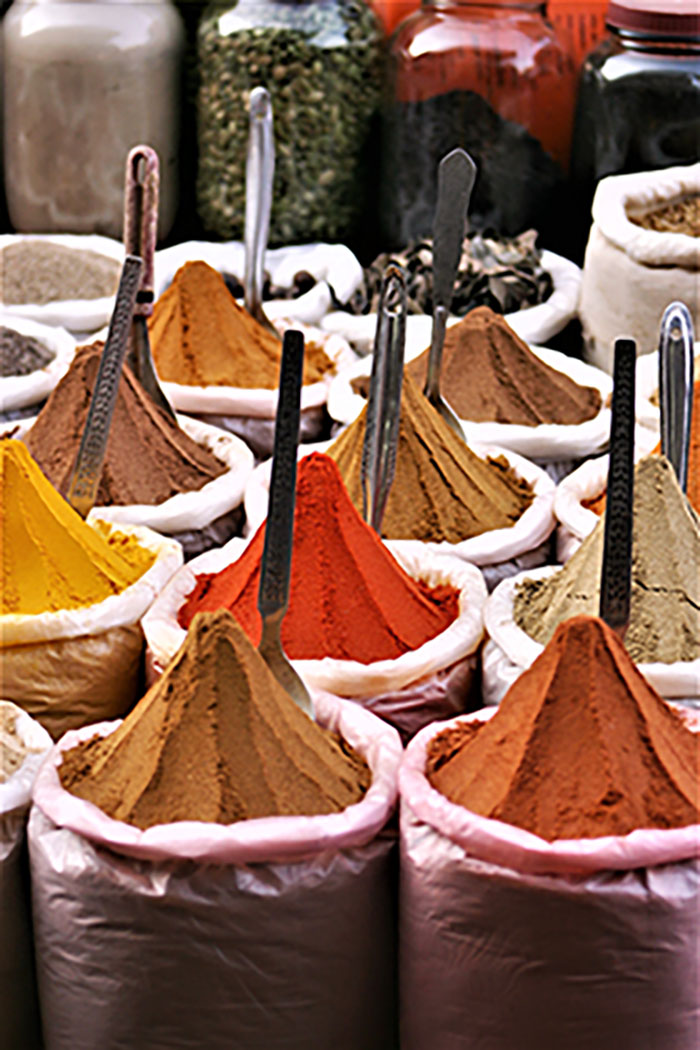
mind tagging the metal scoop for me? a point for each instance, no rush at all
(456, 175)
(140, 233)
(676, 387)
(87, 471)
(259, 174)
(384, 404)
(616, 574)
(273, 595)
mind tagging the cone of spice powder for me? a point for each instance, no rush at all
(491, 375)
(216, 739)
(349, 598)
(665, 599)
(442, 490)
(580, 747)
(149, 458)
(201, 337)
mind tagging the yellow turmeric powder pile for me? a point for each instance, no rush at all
(51, 559)
(201, 337)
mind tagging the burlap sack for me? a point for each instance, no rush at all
(19, 1007)
(77, 315)
(437, 680)
(510, 942)
(200, 519)
(498, 553)
(534, 324)
(631, 274)
(269, 934)
(21, 392)
(71, 667)
(509, 651)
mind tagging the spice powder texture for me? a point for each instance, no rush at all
(33, 271)
(491, 375)
(581, 746)
(349, 597)
(216, 739)
(20, 355)
(665, 591)
(442, 490)
(51, 559)
(201, 337)
(149, 458)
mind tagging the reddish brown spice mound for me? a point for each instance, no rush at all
(581, 746)
(216, 739)
(349, 597)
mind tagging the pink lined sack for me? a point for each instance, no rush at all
(509, 942)
(269, 934)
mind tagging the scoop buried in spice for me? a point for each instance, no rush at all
(51, 559)
(201, 337)
(349, 597)
(442, 490)
(491, 375)
(216, 739)
(665, 595)
(148, 458)
(581, 746)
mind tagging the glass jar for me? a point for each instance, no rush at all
(639, 97)
(85, 81)
(321, 63)
(494, 79)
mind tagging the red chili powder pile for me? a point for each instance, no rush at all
(349, 597)
(597, 505)
(581, 746)
(216, 739)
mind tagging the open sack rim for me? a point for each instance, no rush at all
(21, 391)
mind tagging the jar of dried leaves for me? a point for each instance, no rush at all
(321, 63)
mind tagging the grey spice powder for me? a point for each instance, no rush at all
(321, 64)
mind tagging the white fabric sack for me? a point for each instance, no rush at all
(77, 315)
(543, 444)
(498, 553)
(199, 519)
(432, 682)
(510, 650)
(647, 389)
(19, 1008)
(509, 941)
(269, 934)
(585, 483)
(336, 269)
(70, 667)
(630, 274)
(534, 324)
(22, 391)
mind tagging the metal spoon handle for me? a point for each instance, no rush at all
(615, 582)
(260, 170)
(88, 465)
(379, 450)
(273, 596)
(676, 387)
(456, 175)
(141, 218)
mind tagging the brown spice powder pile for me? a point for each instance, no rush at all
(200, 336)
(442, 490)
(680, 217)
(581, 746)
(148, 459)
(491, 375)
(216, 739)
(43, 272)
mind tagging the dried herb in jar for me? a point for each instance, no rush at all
(320, 62)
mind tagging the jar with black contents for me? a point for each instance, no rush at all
(639, 98)
(493, 78)
(321, 63)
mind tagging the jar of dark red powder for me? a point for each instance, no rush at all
(490, 77)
